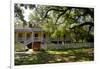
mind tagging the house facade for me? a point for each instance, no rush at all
(35, 37)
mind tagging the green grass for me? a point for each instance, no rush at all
(57, 52)
(70, 55)
(19, 47)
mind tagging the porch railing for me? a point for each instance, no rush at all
(69, 45)
(20, 39)
(27, 41)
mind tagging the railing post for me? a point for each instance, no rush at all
(24, 38)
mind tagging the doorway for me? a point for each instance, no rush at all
(36, 45)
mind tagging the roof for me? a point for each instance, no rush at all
(28, 30)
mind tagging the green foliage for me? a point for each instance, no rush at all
(57, 21)
(64, 17)
(18, 13)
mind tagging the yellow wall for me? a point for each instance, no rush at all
(40, 34)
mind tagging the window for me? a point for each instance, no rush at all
(36, 35)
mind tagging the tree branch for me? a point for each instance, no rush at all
(83, 24)
(60, 15)
(51, 10)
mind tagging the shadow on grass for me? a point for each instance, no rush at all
(39, 58)
(43, 57)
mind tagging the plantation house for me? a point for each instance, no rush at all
(34, 37)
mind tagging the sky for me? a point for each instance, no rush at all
(27, 13)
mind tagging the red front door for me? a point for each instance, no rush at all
(36, 45)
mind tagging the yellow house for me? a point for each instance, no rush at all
(34, 38)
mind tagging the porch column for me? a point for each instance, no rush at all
(25, 36)
(32, 36)
(16, 36)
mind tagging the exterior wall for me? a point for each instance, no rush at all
(39, 35)
(29, 37)
(21, 36)
(44, 44)
(25, 36)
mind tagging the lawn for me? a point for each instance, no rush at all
(19, 47)
(43, 57)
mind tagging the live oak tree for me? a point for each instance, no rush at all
(75, 20)
(61, 21)
(18, 12)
